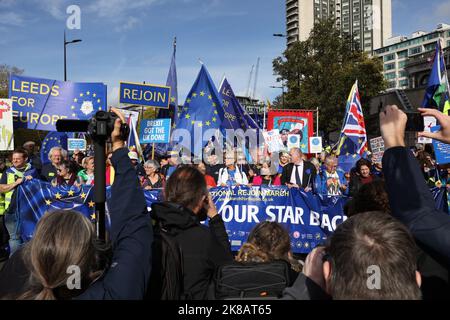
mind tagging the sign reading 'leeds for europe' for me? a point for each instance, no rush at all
(39, 103)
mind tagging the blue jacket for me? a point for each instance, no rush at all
(320, 184)
(412, 202)
(131, 238)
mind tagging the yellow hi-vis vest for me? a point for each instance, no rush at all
(11, 178)
(2, 201)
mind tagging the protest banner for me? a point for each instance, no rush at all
(273, 140)
(315, 145)
(429, 122)
(441, 150)
(294, 141)
(133, 115)
(295, 122)
(377, 147)
(6, 124)
(144, 94)
(76, 144)
(39, 103)
(309, 218)
(155, 131)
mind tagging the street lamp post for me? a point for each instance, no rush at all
(65, 53)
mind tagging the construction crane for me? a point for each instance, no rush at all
(249, 81)
(256, 79)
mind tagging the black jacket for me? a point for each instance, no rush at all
(356, 183)
(412, 202)
(203, 248)
(304, 289)
(131, 237)
(48, 172)
(309, 174)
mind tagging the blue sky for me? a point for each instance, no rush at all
(132, 40)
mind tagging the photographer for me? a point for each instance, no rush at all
(203, 248)
(416, 207)
(66, 239)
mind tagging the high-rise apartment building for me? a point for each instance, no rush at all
(401, 53)
(369, 21)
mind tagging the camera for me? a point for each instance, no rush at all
(99, 127)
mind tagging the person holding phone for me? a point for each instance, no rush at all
(188, 203)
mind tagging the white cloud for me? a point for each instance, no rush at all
(119, 12)
(128, 24)
(56, 8)
(114, 8)
(11, 19)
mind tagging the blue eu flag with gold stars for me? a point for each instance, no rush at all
(52, 139)
(202, 111)
(36, 197)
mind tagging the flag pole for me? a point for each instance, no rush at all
(317, 125)
(153, 151)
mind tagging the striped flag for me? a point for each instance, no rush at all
(353, 141)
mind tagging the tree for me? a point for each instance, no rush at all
(5, 71)
(320, 72)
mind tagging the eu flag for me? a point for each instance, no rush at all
(36, 197)
(171, 82)
(438, 90)
(172, 112)
(353, 140)
(202, 111)
(236, 116)
(52, 139)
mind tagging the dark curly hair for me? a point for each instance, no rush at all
(371, 197)
(362, 162)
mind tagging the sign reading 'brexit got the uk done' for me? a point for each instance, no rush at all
(155, 131)
(144, 94)
(39, 103)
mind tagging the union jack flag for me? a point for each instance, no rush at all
(353, 141)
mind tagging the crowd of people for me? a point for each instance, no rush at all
(395, 244)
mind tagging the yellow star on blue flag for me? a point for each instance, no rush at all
(201, 112)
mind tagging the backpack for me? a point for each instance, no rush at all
(265, 280)
(167, 278)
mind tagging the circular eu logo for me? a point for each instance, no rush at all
(293, 139)
(315, 141)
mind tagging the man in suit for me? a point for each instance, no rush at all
(298, 173)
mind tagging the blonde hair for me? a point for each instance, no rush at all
(62, 239)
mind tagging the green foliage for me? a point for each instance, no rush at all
(320, 72)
